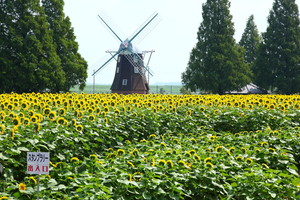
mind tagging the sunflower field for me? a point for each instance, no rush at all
(110, 146)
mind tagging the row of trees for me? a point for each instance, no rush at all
(271, 60)
(38, 51)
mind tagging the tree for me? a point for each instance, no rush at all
(278, 63)
(74, 66)
(216, 62)
(29, 62)
(250, 41)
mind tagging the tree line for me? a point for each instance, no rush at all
(271, 60)
(38, 50)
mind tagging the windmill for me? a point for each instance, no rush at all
(130, 74)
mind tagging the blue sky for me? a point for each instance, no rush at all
(172, 39)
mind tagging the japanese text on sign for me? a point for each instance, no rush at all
(38, 162)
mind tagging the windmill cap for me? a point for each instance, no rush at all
(128, 45)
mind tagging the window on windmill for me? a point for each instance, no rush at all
(118, 69)
(136, 70)
(124, 82)
(119, 59)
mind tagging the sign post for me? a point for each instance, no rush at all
(38, 163)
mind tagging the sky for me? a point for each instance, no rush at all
(172, 38)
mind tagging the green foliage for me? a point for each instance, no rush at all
(74, 66)
(27, 43)
(216, 63)
(145, 147)
(250, 41)
(28, 54)
(277, 66)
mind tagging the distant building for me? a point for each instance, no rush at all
(249, 89)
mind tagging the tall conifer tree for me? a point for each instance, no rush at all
(250, 41)
(278, 63)
(216, 62)
(74, 66)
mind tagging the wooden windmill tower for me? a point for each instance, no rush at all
(130, 73)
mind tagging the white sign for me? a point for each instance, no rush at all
(38, 162)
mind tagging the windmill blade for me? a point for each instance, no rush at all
(114, 33)
(144, 25)
(137, 62)
(106, 62)
(141, 63)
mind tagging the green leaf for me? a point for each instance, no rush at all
(23, 149)
(2, 157)
(273, 195)
(146, 195)
(292, 171)
(51, 183)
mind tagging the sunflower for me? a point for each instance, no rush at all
(11, 115)
(209, 165)
(30, 113)
(162, 162)
(21, 114)
(92, 118)
(53, 164)
(249, 161)
(97, 110)
(152, 136)
(61, 111)
(10, 106)
(16, 121)
(197, 157)
(13, 130)
(120, 152)
(93, 156)
(272, 150)
(22, 186)
(34, 119)
(134, 152)
(24, 105)
(219, 148)
(61, 121)
(209, 159)
(153, 162)
(265, 165)
(130, 177)
(2, 129)
(188, 154)
(170, 163)
(106, 109)
(79, 128)
(213, 137)
(99, 162)
(263, 143)
(74, 159)
(194, 141)
(181, 162)
(52, 116)
(130, 164)
(33, 179)
(37, 127)
(137, 176)
(26, 121)
(239, 158)
(73, 122)
(162, 144)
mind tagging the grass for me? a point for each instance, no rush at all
(154, 89)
